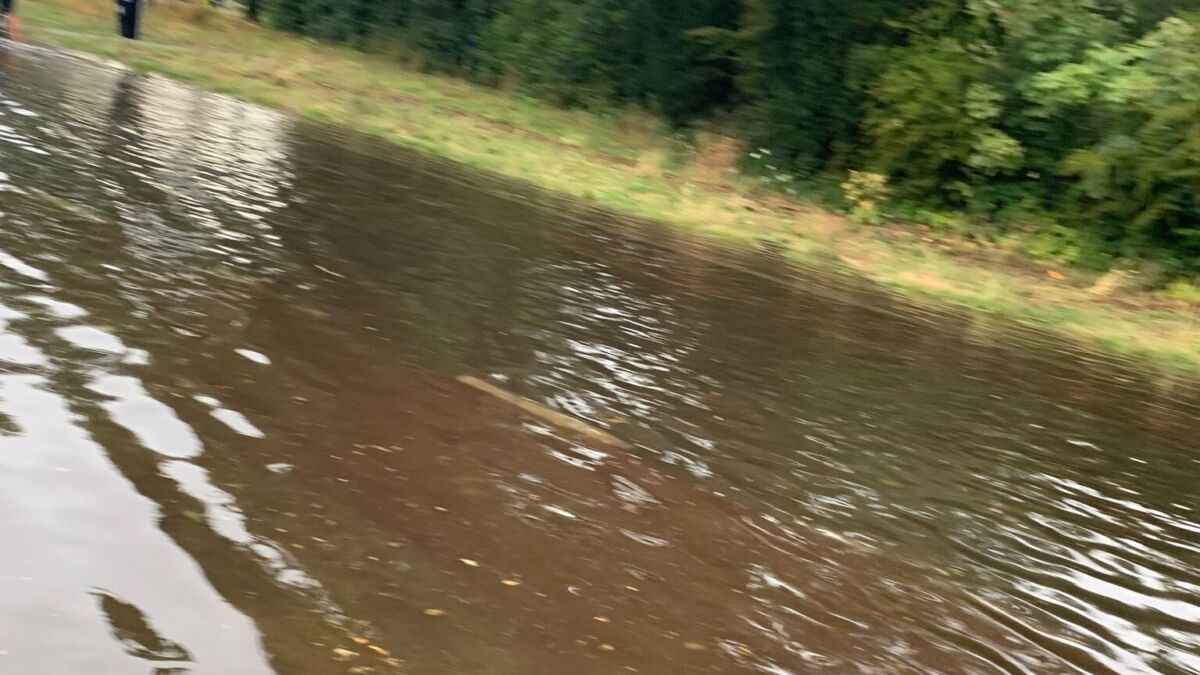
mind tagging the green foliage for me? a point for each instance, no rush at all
(794, 59)
(1066, 245)
(933, 122)
(1081, 112)
(866, 193)
(1140, 175)
(1183, 291)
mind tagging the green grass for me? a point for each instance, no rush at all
(622, 160)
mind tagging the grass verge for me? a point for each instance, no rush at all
(621, 160)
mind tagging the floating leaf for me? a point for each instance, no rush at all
(435, 612)
(694, 646)
(344, 654)
(601, 619)
(360, 640)
(379, 650)
(468, 562)
(511, 582)
(607, 647)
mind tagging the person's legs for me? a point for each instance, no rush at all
(7, 21)
(127, 18)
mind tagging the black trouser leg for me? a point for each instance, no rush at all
(127, 18)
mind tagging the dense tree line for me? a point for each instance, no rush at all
(1080, 115)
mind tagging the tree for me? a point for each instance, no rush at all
(1085, 110)
(1140, 174)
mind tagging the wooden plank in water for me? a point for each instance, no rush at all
(543, 413)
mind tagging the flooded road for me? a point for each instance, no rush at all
(247, 426)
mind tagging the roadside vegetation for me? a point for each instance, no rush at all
(1035, 160)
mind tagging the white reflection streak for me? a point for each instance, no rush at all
(45, 467)
(157, 427)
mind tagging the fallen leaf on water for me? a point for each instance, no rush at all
(468, 562)
(360, 670)
(601, 619)
(694, 646)
(511, 582)
(606, 647)
(379, 650)
(360, 640)
(435, 612)
(344, 653)
(631, 588)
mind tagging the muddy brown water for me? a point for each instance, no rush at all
(233, 438)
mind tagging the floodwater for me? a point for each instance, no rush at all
(233, 437)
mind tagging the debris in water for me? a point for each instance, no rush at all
(280, 467)
(468, 562)
(330, 272)
(543, 413)
(435, 612)
(511, 582)
(607, 647)
(63, 205)
(343, 654)
(360, 640)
